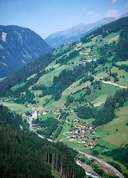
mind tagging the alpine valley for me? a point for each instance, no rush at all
(64, 113)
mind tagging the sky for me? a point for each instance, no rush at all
(48, 16)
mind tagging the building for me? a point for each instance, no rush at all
(83, 62)
(34, 115)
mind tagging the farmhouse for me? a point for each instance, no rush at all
(82, 62)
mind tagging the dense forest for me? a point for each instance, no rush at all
(120, 154)
(123, 43)
(23, 154)
(6, 116)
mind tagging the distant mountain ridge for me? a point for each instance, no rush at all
(19, 46)
(37, 67)
(124, 15)
(75, 33)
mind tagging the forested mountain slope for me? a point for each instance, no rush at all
(99, 48)
(34, 157)
(19, 46)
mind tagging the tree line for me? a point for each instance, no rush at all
(65, 79)
(102, 115)
(107, 112)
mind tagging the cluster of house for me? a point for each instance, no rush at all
(83, 62)
(85, 133)
(78, 46)
(86, 52)
(32, 117)
(37, 112)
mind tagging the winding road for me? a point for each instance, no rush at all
(88, 169)
(104, 164)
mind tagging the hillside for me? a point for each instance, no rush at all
(80, 96)
(34, 157)
(19, 46)
(74, 34)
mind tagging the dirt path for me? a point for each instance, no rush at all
(114, 84)
(104, 164)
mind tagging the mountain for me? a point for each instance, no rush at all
(124, 15)
(80, 95)
(19, 46)
(75, 33)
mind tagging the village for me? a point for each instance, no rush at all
(83, 133)
(85, 51)
(33, 117)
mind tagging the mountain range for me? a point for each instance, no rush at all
(19, 46)
(75, 33)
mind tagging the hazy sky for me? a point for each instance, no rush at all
(48, 16)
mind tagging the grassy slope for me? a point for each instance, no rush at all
(115, 131)
(123, 75)
(48, 78)
(19, 108)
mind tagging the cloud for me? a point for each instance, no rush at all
(112, 13)
(114, 1)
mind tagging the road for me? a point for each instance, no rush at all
(104, 164)
(88, 169)
(114, 84)
(88, 156)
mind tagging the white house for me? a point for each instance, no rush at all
(35, 115)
